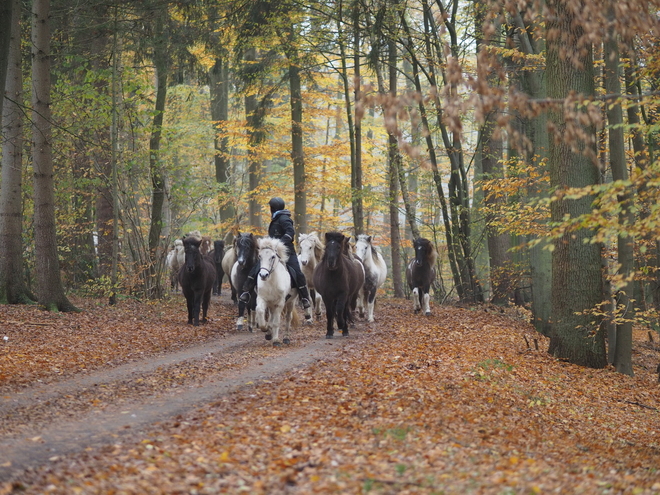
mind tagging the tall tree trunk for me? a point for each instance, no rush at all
(576, 262)
(155, 166)
(255, 137)
(12, 281)
(394, 157)
(6, 9)
(50, 293)
(219, 82)
(297, 151)
(356, 171)
(490, 152)
(625, 243)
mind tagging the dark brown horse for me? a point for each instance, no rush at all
(217, 253)
(247, 255)
(338, 277)
(196, 277)
(420, 274)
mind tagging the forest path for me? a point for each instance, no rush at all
(47, 421)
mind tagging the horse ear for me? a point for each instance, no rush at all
(368, 238)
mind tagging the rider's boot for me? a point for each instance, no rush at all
(248, 286)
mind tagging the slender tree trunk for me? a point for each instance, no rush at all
(50, 293)
(297, 150)
(356, 172)
(219, 82)
(576, 263)
(394, 166)
(625, 243)
(491, 154)
(12, 281)
(158, 184)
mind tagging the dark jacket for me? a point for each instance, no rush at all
(281, 227)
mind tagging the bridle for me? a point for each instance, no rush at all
(272, 265)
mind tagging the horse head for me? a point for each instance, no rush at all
(193, 255)
(336, 245)
(245, 248)
(218, 251)
(425, 253)
(363, 246)
(271, 252)
(310, 249)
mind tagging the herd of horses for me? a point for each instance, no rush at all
(342, 277)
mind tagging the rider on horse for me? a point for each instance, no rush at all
(281, 227)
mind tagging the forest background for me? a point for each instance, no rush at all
(518, 135)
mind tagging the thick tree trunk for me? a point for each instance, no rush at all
(6, 9)
(576, 263)
(50, 293)
(12, 281)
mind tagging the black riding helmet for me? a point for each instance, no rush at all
(276, 204)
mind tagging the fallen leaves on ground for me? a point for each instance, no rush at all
(458, 402)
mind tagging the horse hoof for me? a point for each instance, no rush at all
(328, 336)
(239, 327)
(269, 336)
(345, 334)
(286, 341)
(428, 313)
(277, 344)
(308, 321)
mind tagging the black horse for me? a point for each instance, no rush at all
(196, 277)
(420, 274)
(218, 252)
(338, 277)
(245, 248)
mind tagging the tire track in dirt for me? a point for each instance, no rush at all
(35, 446)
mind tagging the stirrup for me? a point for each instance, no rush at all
(305, 303)
(245, 297)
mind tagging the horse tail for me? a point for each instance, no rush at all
(295, 319)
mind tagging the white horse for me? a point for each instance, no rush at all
(275, 295)
(175, 259)
(310, 252)
(228, 261)
(375, 273)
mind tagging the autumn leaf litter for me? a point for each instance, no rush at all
(459, 402)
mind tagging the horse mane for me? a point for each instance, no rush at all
(431, 253)
(177, 242)
(276, 245)
(188, 240)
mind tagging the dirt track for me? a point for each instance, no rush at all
(44, 422)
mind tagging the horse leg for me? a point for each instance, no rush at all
(241, 315)
(260, 315)
(371, 302)
(416, 297)
(427, 303)
(189, 304)
(329, 316)
(205, 305)
(341, 311)
(275, 320)
(196, 308)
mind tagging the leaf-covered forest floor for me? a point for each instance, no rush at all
(458, 402)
